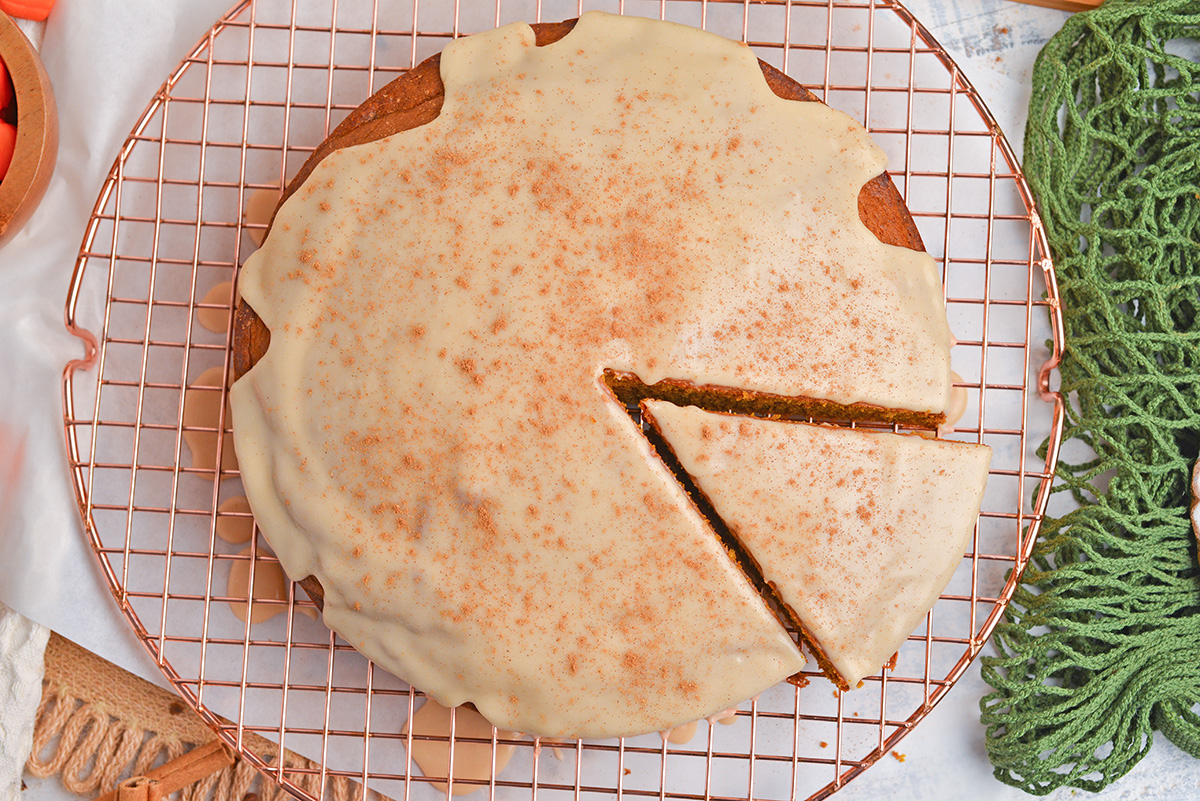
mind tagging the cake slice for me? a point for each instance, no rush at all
(855, 532)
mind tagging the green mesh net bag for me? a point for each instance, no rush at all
(1101, 644)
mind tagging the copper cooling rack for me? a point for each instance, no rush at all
(241, 112)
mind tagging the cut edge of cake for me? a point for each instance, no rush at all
(741, 556)
(632, 391)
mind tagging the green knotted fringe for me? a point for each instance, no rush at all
(1101, 643)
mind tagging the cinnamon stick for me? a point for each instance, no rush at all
(197, 764)
(139, 788)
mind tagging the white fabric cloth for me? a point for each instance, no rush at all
(22, 648)
(105, 59)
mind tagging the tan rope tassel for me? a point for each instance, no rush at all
(98, 724)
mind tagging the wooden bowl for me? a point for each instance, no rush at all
(37, 130)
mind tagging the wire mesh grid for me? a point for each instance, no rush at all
(241, 113)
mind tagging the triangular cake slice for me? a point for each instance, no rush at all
(855, 532)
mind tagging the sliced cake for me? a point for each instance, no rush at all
(452, 285)
(856, 531)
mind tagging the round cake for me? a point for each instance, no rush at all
(465, 285)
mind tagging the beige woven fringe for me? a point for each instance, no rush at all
(98, 725)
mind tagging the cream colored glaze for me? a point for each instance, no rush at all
(269, 584)
(957, 406)
(555, 745)
(472, 761)
(214, 314)
(486, 521)
(260, 205)
(234, 523)
(859, 531)
(681, 735)
(202, 409)
(726, 717)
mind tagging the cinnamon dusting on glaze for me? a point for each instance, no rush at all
(363, 275)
